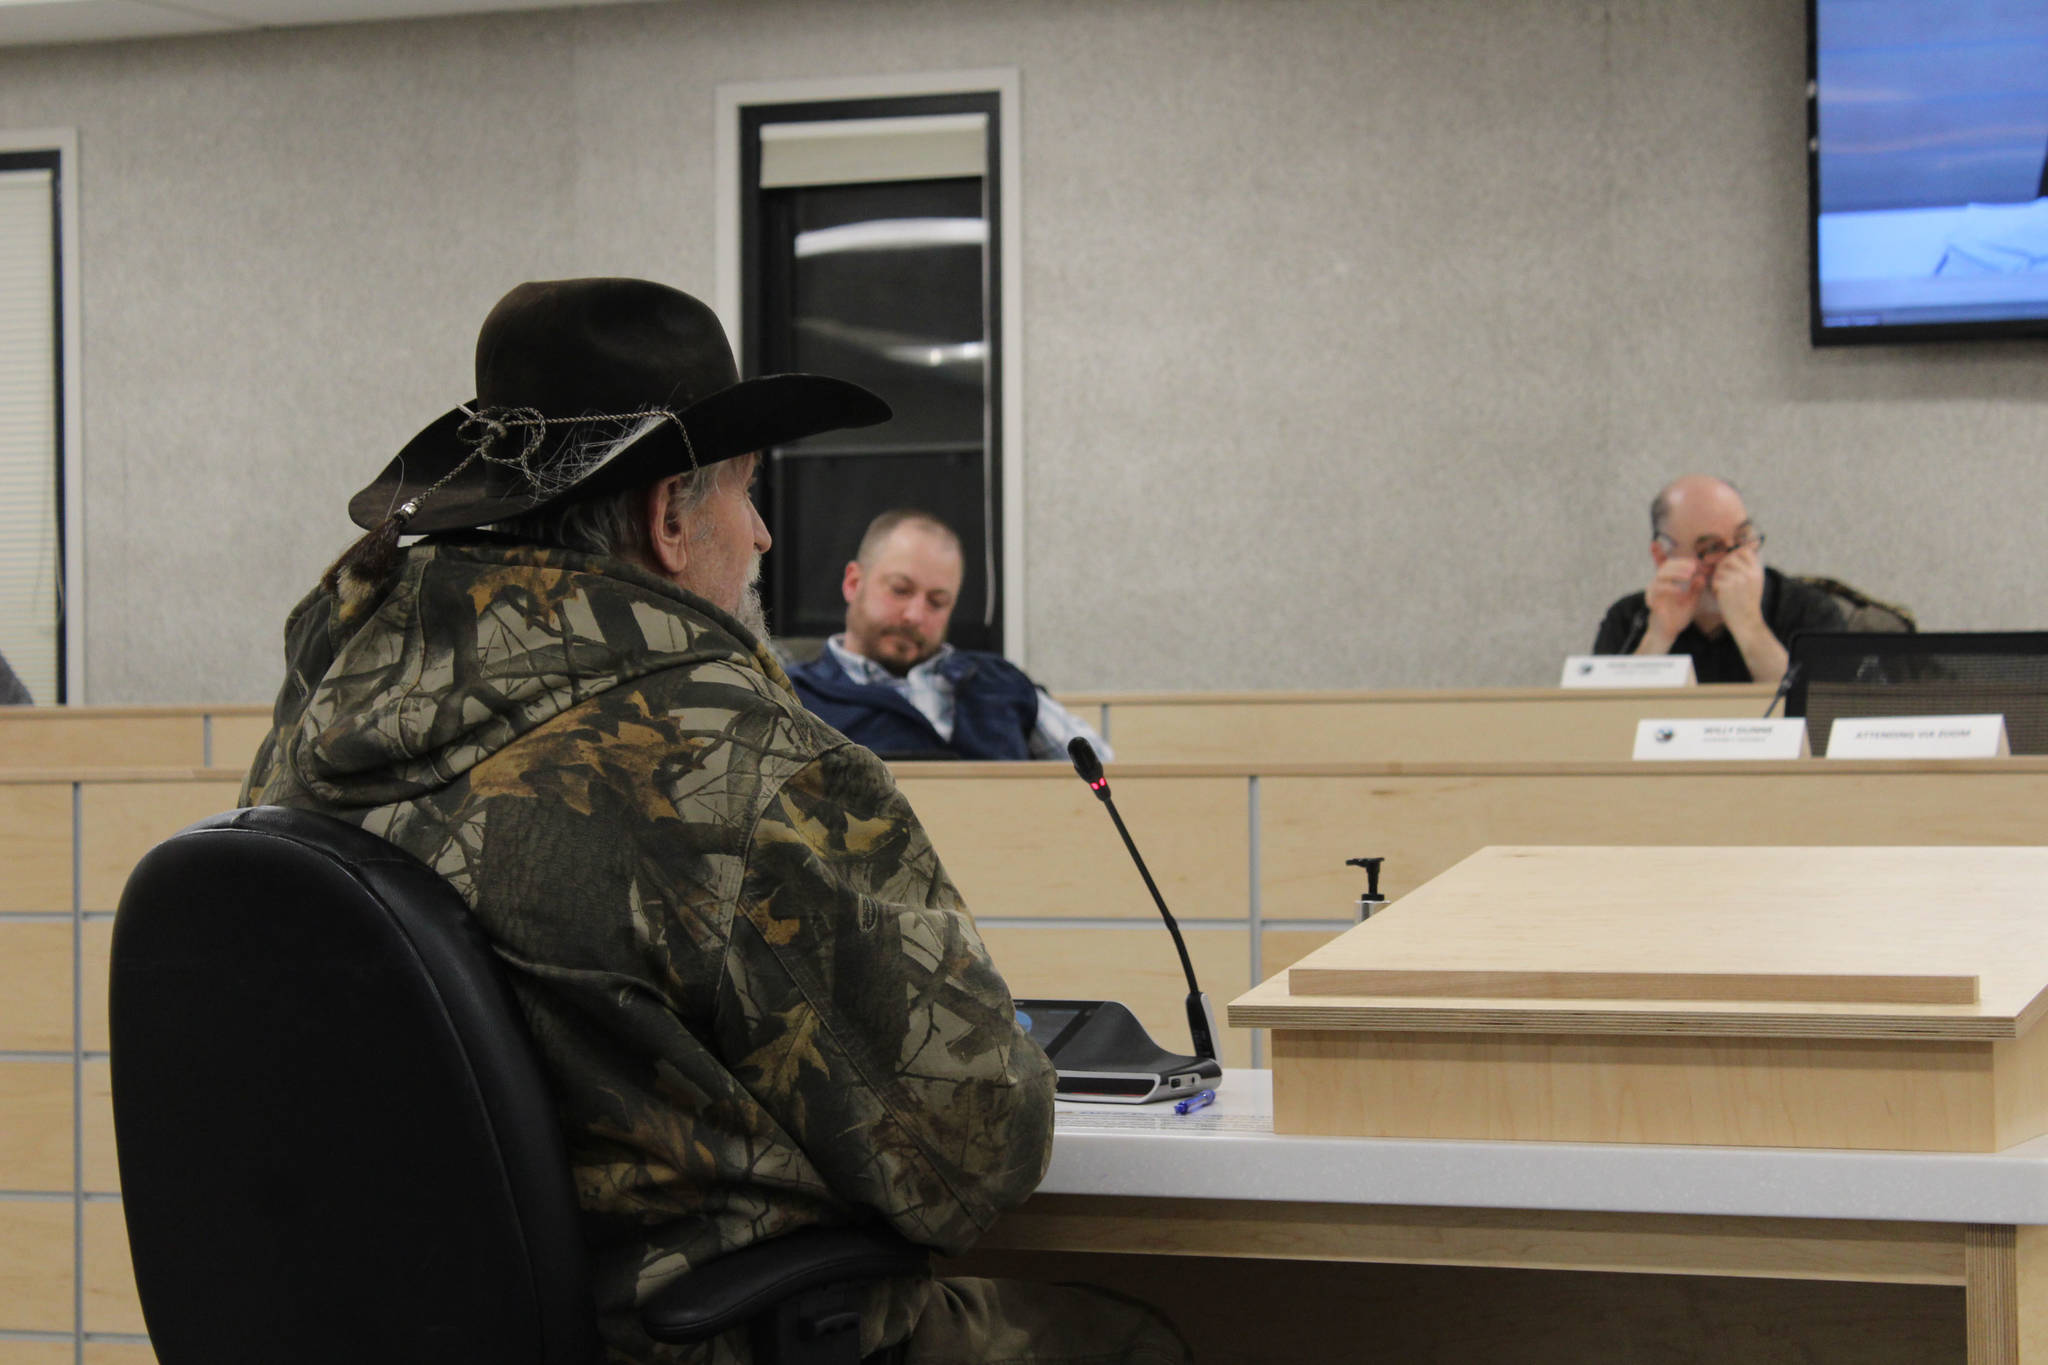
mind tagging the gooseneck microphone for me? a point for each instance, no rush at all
(1784, 690)
(1201, 1020)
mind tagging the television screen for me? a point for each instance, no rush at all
(1928, 160)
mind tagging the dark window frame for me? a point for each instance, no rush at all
(51, 159)
(753, 360)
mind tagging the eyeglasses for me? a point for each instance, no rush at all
(1714, 550)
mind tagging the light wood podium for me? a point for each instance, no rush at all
(1820, 998)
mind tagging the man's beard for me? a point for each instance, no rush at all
(750, 612)
(920, 649)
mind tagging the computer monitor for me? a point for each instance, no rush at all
(1955, 673)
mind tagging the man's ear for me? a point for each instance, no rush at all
(1658, 554)
(667, 538)
(849, 586)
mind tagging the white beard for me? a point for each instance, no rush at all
(752, 614)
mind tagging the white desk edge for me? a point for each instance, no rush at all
(1226, 1152)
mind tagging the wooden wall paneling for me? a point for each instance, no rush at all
(235, 738)
(16, 1352)
(35, 846)
(1030, 845)
(35, 985)
(35, 1265)
(111, 1304)
(1423, 824)
(96, 944)
(1137, 966)
(35, 1126)
(102, 1168)
(1525, 724)
(122, 820)
(38, 1353)
(80, 737)
(1280, 949)
(67, 1353)
(119, 1353)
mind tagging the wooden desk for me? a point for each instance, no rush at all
(1763, 1254)
(1885, 1000)
(1455, 725)
(1798, 997)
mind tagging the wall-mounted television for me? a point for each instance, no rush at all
(1927, 126)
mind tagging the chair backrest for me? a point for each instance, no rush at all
(1860, 611)
(335, 1141)
(1930, 673)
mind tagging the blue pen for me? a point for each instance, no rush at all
(1194, 1102)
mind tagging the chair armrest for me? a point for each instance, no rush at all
(738, 1287)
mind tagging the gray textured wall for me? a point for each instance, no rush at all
(1358, 333)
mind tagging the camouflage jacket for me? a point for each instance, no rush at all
(757, 992)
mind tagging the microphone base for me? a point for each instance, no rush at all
(1104, 1056)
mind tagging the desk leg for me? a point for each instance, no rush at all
(2005, 1288)
(1991, 1293)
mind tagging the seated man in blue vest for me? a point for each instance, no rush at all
(892, 683)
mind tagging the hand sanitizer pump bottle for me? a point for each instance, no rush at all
(1370, 901)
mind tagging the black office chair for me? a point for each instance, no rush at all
(336, 1143)
(1860, 611)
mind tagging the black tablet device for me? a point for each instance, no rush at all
(1102, 1053)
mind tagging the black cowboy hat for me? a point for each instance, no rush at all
(642, 368)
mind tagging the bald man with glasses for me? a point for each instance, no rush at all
(1712, 596)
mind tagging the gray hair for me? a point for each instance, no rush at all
(613, 523)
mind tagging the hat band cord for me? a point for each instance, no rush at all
(484, 428)
(356, 576)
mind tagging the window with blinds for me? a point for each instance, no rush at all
(31, 473)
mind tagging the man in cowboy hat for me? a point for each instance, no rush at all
(759, 997)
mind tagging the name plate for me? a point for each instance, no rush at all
(1627, 670)
(1918, 737)
(1726, 739)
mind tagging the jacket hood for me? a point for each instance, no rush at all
(469, 647)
